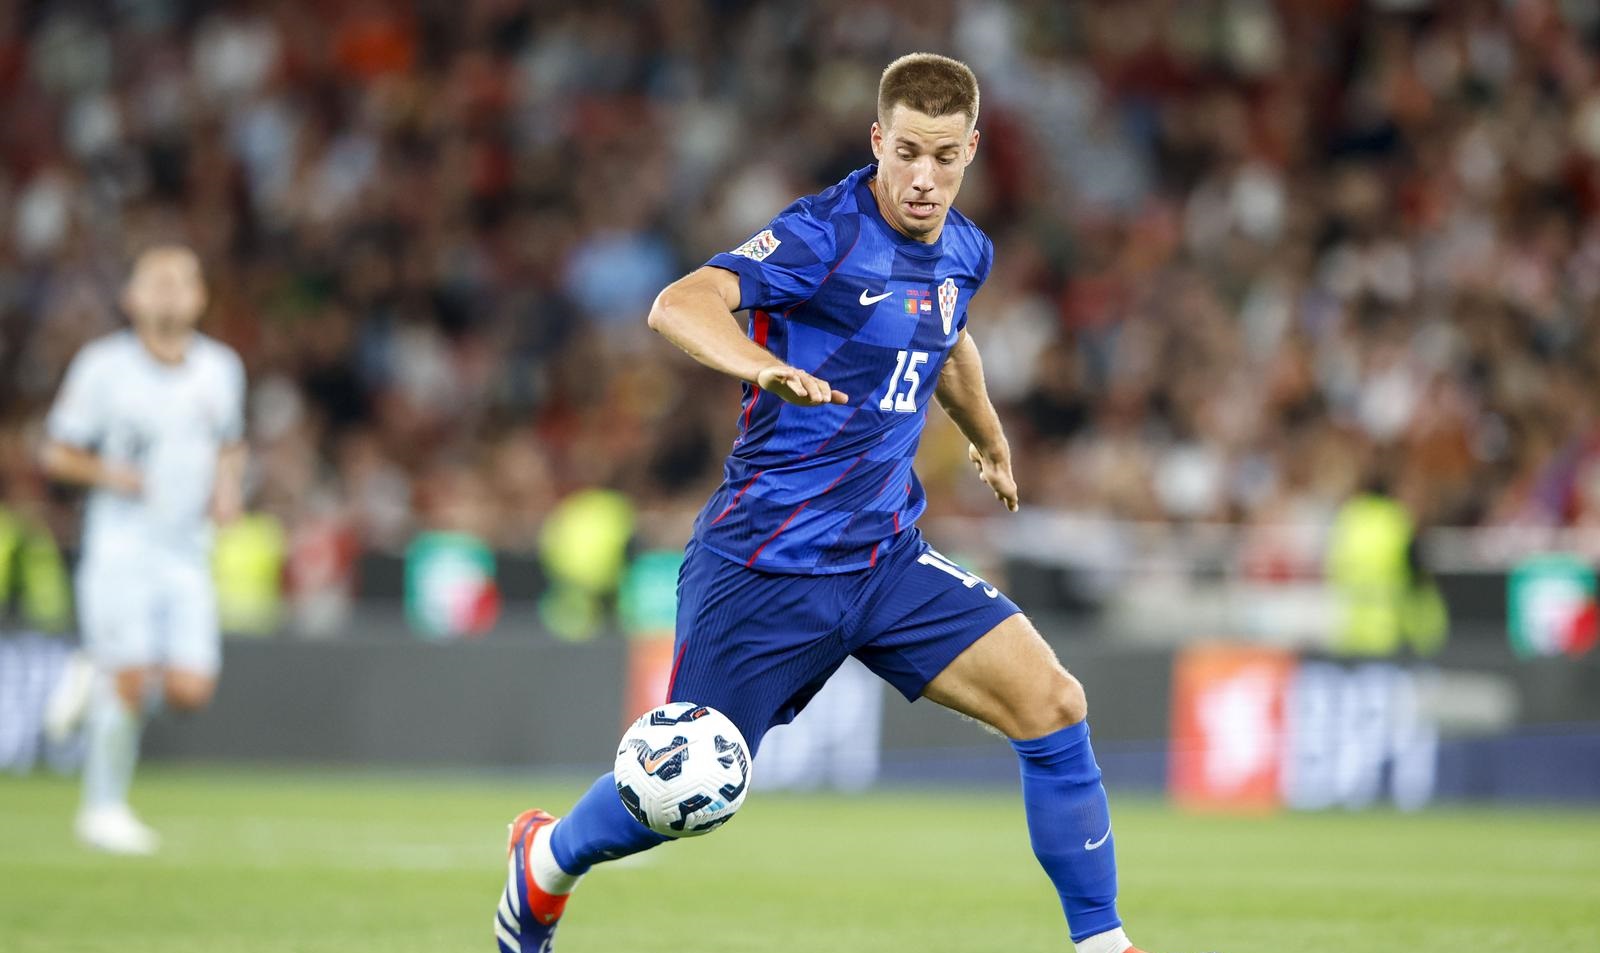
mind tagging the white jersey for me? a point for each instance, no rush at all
(166, 421)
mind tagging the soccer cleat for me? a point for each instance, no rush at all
(115, 830)
(526, 919)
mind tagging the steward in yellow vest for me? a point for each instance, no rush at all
(1388, 600)
(34, 590)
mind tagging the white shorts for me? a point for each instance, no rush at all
(158, 609)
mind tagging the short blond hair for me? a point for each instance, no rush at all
(931, 84)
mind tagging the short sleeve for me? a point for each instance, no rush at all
(984, 266)
(783, 264)
(78, 415)
(231, 427)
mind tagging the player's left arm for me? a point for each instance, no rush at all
(965, 398)
(227, 490)
(233, 454)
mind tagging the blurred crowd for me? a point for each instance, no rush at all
(1250, 254)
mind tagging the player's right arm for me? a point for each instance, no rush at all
(69, 464)
(696, 313)
(76, 423)
(233, 455)
(781, 266)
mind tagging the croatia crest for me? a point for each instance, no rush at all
(947, 302)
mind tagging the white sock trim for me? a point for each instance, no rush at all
(546, 872)
(1111, 941)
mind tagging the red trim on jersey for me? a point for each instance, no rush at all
(735, 501)
(824, 444)
(672, 679)
(873, 559)
(757, 554)
(805, 302)
(759, 335)
(785, 525)
(897, 521)
(759, 325)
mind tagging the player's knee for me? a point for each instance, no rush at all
(187, 699)
(131, 686)
(1064, 705)
(189, 693)
(1072, 702)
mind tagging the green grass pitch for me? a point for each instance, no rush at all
(347, 863)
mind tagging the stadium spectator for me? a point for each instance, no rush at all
(1245, 243)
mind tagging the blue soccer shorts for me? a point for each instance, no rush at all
(758, 645)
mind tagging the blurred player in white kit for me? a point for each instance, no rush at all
(151, 420)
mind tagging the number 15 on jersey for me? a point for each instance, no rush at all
(904, 399)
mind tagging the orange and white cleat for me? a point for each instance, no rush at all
(525, 921)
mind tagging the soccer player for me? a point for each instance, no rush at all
(809, 552)
(151, 420)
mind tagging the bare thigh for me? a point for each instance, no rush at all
(1011, 680)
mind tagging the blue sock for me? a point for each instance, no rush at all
(1070, 826)
(599, 828)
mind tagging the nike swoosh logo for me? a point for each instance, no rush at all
(867, 299)
(651, 764)
(1097, 844)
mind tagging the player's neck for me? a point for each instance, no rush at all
(166, 350)
(886, 212)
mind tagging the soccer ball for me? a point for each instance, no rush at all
(683, 769)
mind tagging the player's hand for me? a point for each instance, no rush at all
(123, 480)
(995, 470)
(797, 387)
(226, 506)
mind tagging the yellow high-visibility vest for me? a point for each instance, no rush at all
(1383, 607)
(247, 562)
(33, 574)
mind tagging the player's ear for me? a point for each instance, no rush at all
(972, 146)
(877, 140)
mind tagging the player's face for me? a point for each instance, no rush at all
(165, 294)
(921, 160)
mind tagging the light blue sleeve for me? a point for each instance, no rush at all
(230, 428)
(78, 415)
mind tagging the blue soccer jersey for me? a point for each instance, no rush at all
(834, 290)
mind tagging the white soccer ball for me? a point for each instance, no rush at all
(683, 769)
